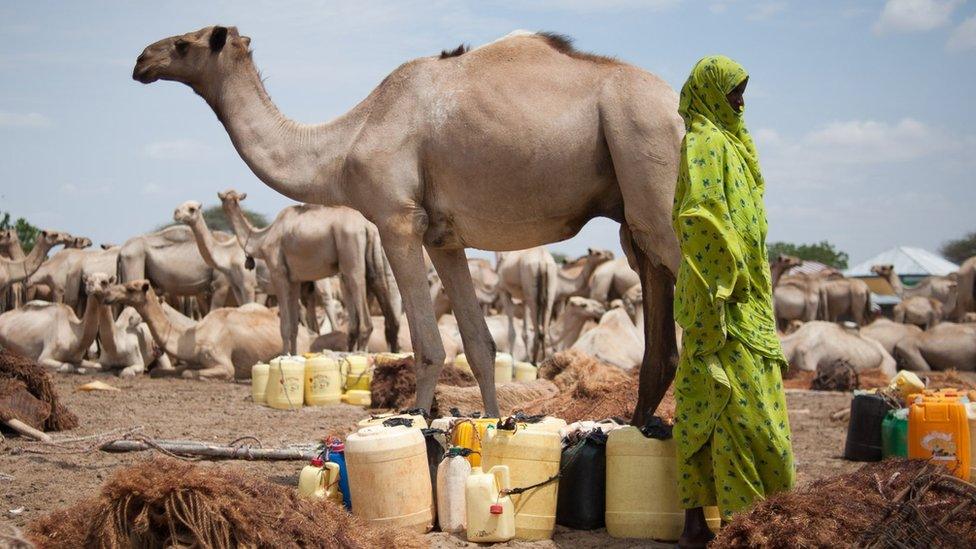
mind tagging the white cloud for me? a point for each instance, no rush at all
(24, 120)
(964, 36)
(177, 149)
(869, 142)
(766, 10)
(914, 15)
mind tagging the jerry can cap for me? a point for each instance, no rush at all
(496, 509)
(337, 446)
(317, 461)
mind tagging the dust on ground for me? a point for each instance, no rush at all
(221, 412)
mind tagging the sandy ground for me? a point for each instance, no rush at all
(221, 412)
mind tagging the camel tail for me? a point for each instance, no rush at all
(822, 310)
(542, 309)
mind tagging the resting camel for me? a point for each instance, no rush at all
(51, 333)
(171, 261)
(610, 280)
(889, 333)
(576, 314)
(574, 278)
(17, 270)
(532, 278)
(820, 344)
(310, 242)
(615, 339)
(945, 347)
(924, 305)
(222, 345)
(127, 343)
(551, 138)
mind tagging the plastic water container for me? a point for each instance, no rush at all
(548, 423)
(864, 429)
(470, 433)
(337, 455)
(417, 420)
(323, 381)
(259, 382)
(894, 434)
(358, 397)
(461, 362)
(532, 457)
(320, 480)
(452, 478)
(359, 375)
(581, 502)
(504, 365)
(971, 414)
(642, 488)
(525, 371)
(389, 479)
(906, 383)
(938, 429)
(286, 383)
(490, 517)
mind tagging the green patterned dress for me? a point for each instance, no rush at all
(731, 426)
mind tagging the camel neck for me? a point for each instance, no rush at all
(247, 235)
(106, 330)
(166, 333)
(87, 331)
(13, 250)
(303, 162)
(18, 270)
(776, 272)
(582, 278)
(569, 330)
(207, 244)
(896, 284)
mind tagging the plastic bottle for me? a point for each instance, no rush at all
(971, 414)
(337, 455)
(523, 371)
(286, 383)
(532, 457)
(259, 382)
(452, 478)
(504, 364)
(357, 397)
(548, 423)
(323, 382)
(490, 516)
(388, 477)
(894, 434)
(320, 480)
(906, 383)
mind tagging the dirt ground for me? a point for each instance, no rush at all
(32, 485)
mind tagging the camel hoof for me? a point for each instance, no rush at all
(66, 369)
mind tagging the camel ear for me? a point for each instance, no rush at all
(144, 287)
(43, 234)
(242, 196)
(112, 279)
(218, 38)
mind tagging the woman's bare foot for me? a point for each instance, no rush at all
(696, 533)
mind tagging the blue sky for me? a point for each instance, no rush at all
(862, 110)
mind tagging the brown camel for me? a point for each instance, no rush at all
(310, 242)
(530, 277)
(551, 138)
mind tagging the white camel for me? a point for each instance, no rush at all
(127, 343)
(820, 344)
(530, 277)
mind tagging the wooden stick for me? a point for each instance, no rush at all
(27, 430)
(199, 449)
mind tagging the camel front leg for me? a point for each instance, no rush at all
(288, 314)
(133, 370)
(223, 370)
(402, 243)
(479, 347)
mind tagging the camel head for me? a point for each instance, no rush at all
(788, 261)
(198, 59)
(53, 238)
(598, 256)
(230, 196)
(129, 293)
(585, 307)
(884, 271)
(8, 237)
(108, 245)
(187, 212)
(97, 284)
(80, 243)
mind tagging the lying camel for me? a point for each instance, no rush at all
(576, 314)
(222, 345)
(944, 347)
(309, 242)
(965, 289)
(532, 278)
(888, 333)
(821, 344)
(51, 333)
(127, 343)
(611, 279)
(574, 278)
(615, 340)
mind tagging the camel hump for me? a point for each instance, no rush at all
(252, 308)
(38, 305)
(174, 235)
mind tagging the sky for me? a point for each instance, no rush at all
(862, 110)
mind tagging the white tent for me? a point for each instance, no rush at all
(908, 261)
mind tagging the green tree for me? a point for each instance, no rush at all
(823, 251)
(960, 249)
(217, 220)
(26, 232)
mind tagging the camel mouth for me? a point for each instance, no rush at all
(144, 74)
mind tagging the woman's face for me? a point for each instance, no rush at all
(735, 96)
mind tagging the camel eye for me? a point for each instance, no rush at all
(182, 46)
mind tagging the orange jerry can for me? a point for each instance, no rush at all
(938, 429)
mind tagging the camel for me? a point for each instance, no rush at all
(925, 304)
(611, 279)
(615, 340)
(945, 347)
(59, 279)
(844, 297)
(532, 278)
(16, 270)
(965, 289)
(574, 278)
(820, 344)
(552, 138)
(576, 314)
(127, 343)
(13, 296)
(796, 298)
(889, 333)
(78, 243)
(485, 281)
(222, 345)
(781, 265)
(51, 333)
(310, 242)
(171, 261)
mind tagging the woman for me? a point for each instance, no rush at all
(731, 427)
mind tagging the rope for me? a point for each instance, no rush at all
(574, 449)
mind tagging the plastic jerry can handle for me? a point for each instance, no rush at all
(502, 478)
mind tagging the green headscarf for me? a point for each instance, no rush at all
(723, 286)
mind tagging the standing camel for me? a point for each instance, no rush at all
(611, 280)
(10, 248)
(926, 303)
(780, 265)
(508, 146)
(17, 270)
(310, 242)
(574, 279)
(531, 277)
(841, 296)
(965, 289)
